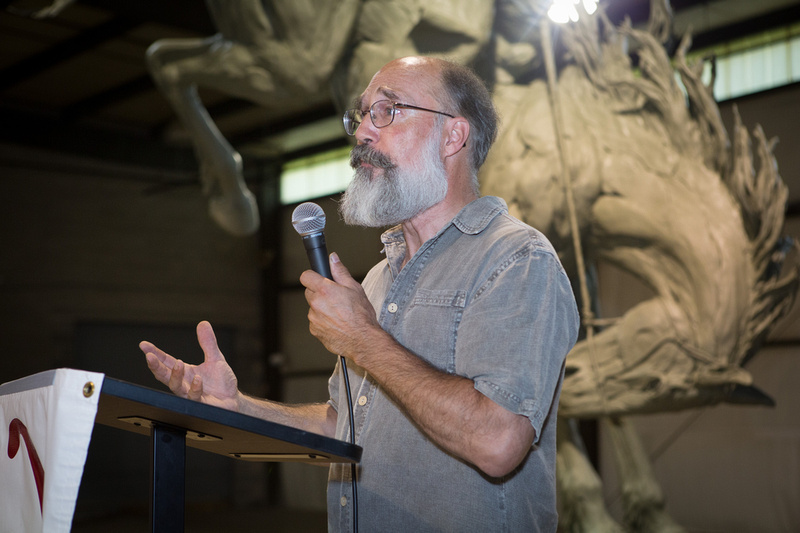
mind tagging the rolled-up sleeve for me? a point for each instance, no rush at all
(516, 332)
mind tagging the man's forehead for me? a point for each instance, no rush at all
(381, 93)
(406, 79)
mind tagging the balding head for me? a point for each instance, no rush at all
(461, 93)
(469, 98)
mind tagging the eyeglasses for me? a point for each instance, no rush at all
(381, 113)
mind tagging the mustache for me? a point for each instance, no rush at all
(363, 153)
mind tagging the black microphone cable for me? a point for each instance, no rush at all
(353, 481)
(308, 220)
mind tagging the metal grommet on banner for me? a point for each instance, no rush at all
(88, 389)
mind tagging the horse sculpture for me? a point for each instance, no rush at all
(661, 192)
(612, 166)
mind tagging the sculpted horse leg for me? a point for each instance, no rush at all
(178, 67)
(580, 491)
(273, 58)
(642, 498)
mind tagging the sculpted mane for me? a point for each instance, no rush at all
(662, 194)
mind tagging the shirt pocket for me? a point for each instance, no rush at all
(430, 325)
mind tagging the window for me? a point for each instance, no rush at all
(754, 63)
(315, 176)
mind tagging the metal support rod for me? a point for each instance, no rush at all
(587, 313)
(558, 126)
(167, 479)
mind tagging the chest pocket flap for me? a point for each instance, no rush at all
(440, 297)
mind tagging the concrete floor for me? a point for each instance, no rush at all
(211, 519)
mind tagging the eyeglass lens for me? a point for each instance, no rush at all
(381, 113)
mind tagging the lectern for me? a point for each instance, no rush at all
(46, 422)
(174, 423)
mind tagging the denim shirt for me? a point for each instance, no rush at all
(487, 299)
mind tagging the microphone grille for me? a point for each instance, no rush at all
(308, 218)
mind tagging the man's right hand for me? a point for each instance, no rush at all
(212, 382)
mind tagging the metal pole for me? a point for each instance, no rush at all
(167, 479)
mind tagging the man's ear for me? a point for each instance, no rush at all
(457, 136)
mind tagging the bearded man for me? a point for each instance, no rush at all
(455, 342)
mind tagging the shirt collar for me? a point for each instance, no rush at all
(476, 215)
(471, 220)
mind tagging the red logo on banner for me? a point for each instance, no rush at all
(15, 429)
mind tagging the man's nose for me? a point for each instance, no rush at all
(366, 132)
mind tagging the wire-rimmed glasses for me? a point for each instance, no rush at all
(381, 113)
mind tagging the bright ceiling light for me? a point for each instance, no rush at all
(563, 11)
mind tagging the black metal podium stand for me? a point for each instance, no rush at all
(174, 423)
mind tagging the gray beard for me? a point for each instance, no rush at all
(396, 196)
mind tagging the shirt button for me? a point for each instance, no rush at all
(362, 401)
(392, 307)
(343, 501)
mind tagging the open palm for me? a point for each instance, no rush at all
(212, 382)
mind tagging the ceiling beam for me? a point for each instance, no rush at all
(90, 106)
(303, 118)
(42, 130)
(637, 10)
(185, 14)
(762, 23)
(63, 51)
(230, 106)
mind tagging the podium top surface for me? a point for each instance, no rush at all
(136, 408)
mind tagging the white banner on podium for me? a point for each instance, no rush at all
(46, 423)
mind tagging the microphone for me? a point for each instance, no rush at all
(308, 220)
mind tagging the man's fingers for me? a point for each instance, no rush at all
(158, 367)
(341, 274)
(158, 356)
(175, 383)
(311, 280)
(148, 347)
(154, 364)
(172, 372)
(195, 388)
(208, 342)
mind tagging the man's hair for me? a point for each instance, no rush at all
(470, 98)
